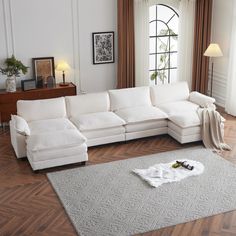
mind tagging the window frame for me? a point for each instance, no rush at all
(156, 37)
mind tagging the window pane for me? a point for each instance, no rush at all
(152, 62)
(162, 29)
(157, 81)
(152, 28)
(163, 76)
(152, 13)
(174, 43)
(162, 60)
(173, 24)
(164, 13)
(152, 82)
(162, 44)
(152, 45)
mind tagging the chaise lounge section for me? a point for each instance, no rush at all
(53, 140)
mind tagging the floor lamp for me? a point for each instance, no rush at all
(213, 51)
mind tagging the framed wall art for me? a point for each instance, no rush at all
(103, 47)
(43, 67)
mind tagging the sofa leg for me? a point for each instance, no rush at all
(83, 163)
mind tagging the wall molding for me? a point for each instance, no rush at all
(219, 87)
(8, 25)
(5, 8)
(12, 28)
(75, 37)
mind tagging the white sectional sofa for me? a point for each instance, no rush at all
(55, 132)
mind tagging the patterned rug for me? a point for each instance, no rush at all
(108, 199)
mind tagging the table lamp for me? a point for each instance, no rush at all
(212, 51)
(63, 66)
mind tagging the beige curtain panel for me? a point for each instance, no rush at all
(126, 47)
(202, 38)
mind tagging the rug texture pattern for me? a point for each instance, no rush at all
(108, 199)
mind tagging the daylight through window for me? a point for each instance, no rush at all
(163, 37)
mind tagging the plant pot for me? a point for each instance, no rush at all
(11, 84)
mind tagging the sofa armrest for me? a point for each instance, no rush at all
(18, 142)
(20, 125)
(201, 99)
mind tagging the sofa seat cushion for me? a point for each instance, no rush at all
(141, 114)
(178, 107)
(184, 131)
(147, 125)
(51, 125)
(186, 119)
(52, 154)
(100, 133)
(99, 120)
(54, 140)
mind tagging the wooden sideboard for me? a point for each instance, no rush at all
(8, 100)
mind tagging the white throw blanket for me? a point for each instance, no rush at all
(164, 173)
(212, 133)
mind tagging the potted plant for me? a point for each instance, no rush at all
(13, 68)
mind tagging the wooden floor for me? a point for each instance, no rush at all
(29, 206)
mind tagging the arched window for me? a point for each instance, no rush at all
(163, 37)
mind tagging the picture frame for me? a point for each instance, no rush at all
(103, 47)
(28, 84)
(43, 67)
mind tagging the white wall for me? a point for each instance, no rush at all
(96, 16)
(221, 34)
(62, 29)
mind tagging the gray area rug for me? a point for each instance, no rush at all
(108, 199)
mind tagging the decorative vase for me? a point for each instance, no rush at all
(11, 84)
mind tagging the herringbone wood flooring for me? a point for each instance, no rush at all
(29, 206)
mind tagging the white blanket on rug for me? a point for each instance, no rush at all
(164, 173)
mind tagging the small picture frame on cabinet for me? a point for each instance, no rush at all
(28, 84)
(43, 67)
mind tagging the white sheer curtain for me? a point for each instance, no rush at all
(230, 105)
(186, 40)
(141, 22)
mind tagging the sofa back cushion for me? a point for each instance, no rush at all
(131, 97)
(42, 109)
(87, 103)
(166, 93)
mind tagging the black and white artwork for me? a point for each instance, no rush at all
(103, 47)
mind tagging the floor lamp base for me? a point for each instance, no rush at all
(212, 71)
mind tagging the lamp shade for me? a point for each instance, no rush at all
(62, 66)
(213, 51)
